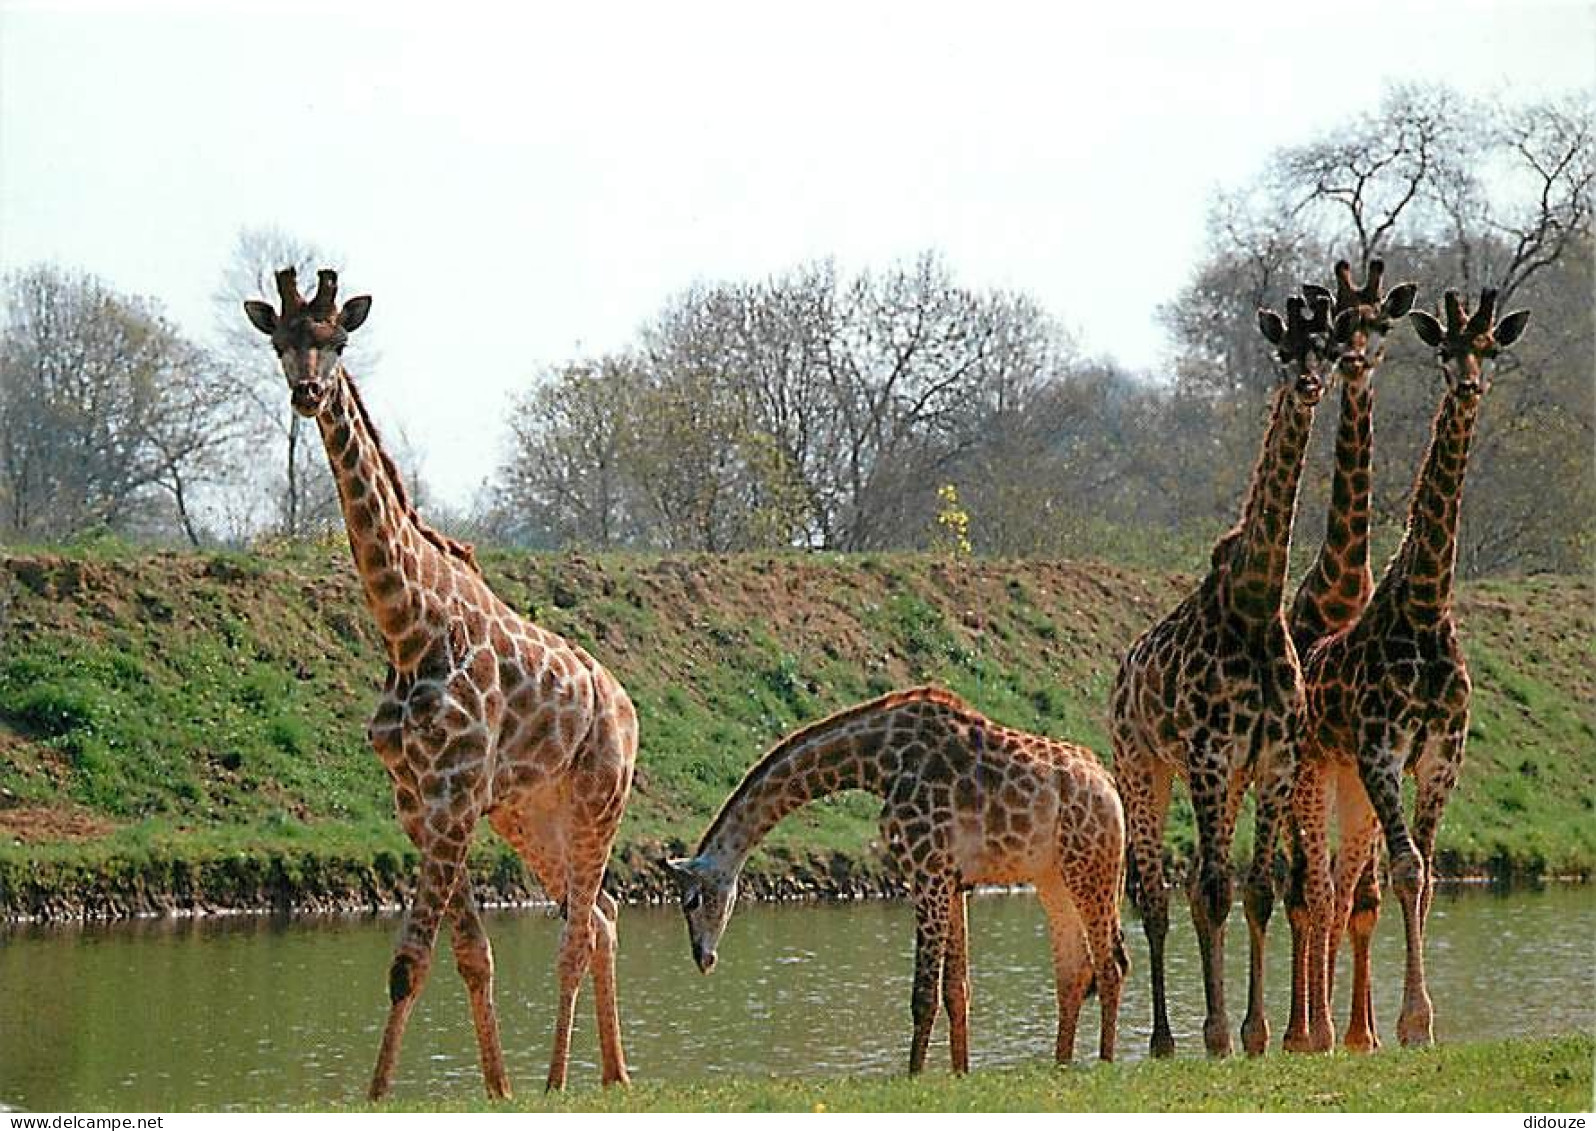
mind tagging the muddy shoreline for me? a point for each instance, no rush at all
(283, 884)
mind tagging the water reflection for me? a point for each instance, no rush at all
(251, 1011)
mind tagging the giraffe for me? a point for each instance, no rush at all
(1212, 693)
(482, 714)
(967, 801)
(1391, 693)
(1339, 582)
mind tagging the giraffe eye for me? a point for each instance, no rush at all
(692, 899)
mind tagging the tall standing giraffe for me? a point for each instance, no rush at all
(1213, 693)
(967, 802)
(482, 714)
(1339, 582)
(1391, 694)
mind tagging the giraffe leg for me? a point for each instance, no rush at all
(605, 920)
(1310, 804)
(1357, 906)
(1072, 967)
(473, 957)
(1208, 890)
(1276, 771)
(577, 944)
(1144, 787)
(931, 909)
(1296, 1035)
(956, 983)
(1436, 770)
(442, 862)
(1381, 768)
(1099, 916)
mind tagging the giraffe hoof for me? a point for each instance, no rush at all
(1255, 1036)
(1297, 1042)
(1163, 1045)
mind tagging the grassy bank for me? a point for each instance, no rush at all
(1540, 1076)
(186, 729)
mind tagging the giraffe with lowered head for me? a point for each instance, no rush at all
(1213, 694)
(482, 715)
(1339, 582)
(967, 801)
(1390, 695)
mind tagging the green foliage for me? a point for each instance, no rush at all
(200, 700)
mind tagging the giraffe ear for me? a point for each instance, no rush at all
(1273, 327)
(1511, 327)
(260, 315)
(1312, 291)
(354, 313)
(1429, 330)
(1400, 300)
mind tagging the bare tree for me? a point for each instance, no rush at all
(103, 404)
(306, 496)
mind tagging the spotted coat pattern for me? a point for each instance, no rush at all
(482, 715)
(1333, 594)
(966, 801)
(1212, 694)
(1390, 695)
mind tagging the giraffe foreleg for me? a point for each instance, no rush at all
(931, 909)
(1208, 890)
(1436, 769)
(1144, 786)
(442, 863)
(1310, 805)
(1380, 767)
(1277, 769)
(1358, 908)
(956, 983)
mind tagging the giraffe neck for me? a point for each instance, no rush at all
(1420, 576)
(1339, 582)
(1261, 541)
(849, 750)
(393, 555)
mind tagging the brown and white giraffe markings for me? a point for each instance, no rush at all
(967, 802)
(1333, 594)
(482, 715)
(1213, 693)
(1391, 693)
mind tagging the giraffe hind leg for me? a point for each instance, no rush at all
(956, 983)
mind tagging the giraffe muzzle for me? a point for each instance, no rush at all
(307, 397)
(704, 958)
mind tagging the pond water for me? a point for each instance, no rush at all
(255, 1012)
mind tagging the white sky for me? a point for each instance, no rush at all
(518, 187)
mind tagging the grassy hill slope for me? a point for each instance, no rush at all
(187, 728)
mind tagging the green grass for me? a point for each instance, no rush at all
(1540, 1076)
(209, 708)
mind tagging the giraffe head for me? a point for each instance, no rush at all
(1303, 343)
(1465, 342)
(1362, 316)
(309, 337)
(707, 893)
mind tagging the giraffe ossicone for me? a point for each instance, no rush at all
(483, 715)
(1212, 694)
(1389, 695)
(967, 802)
